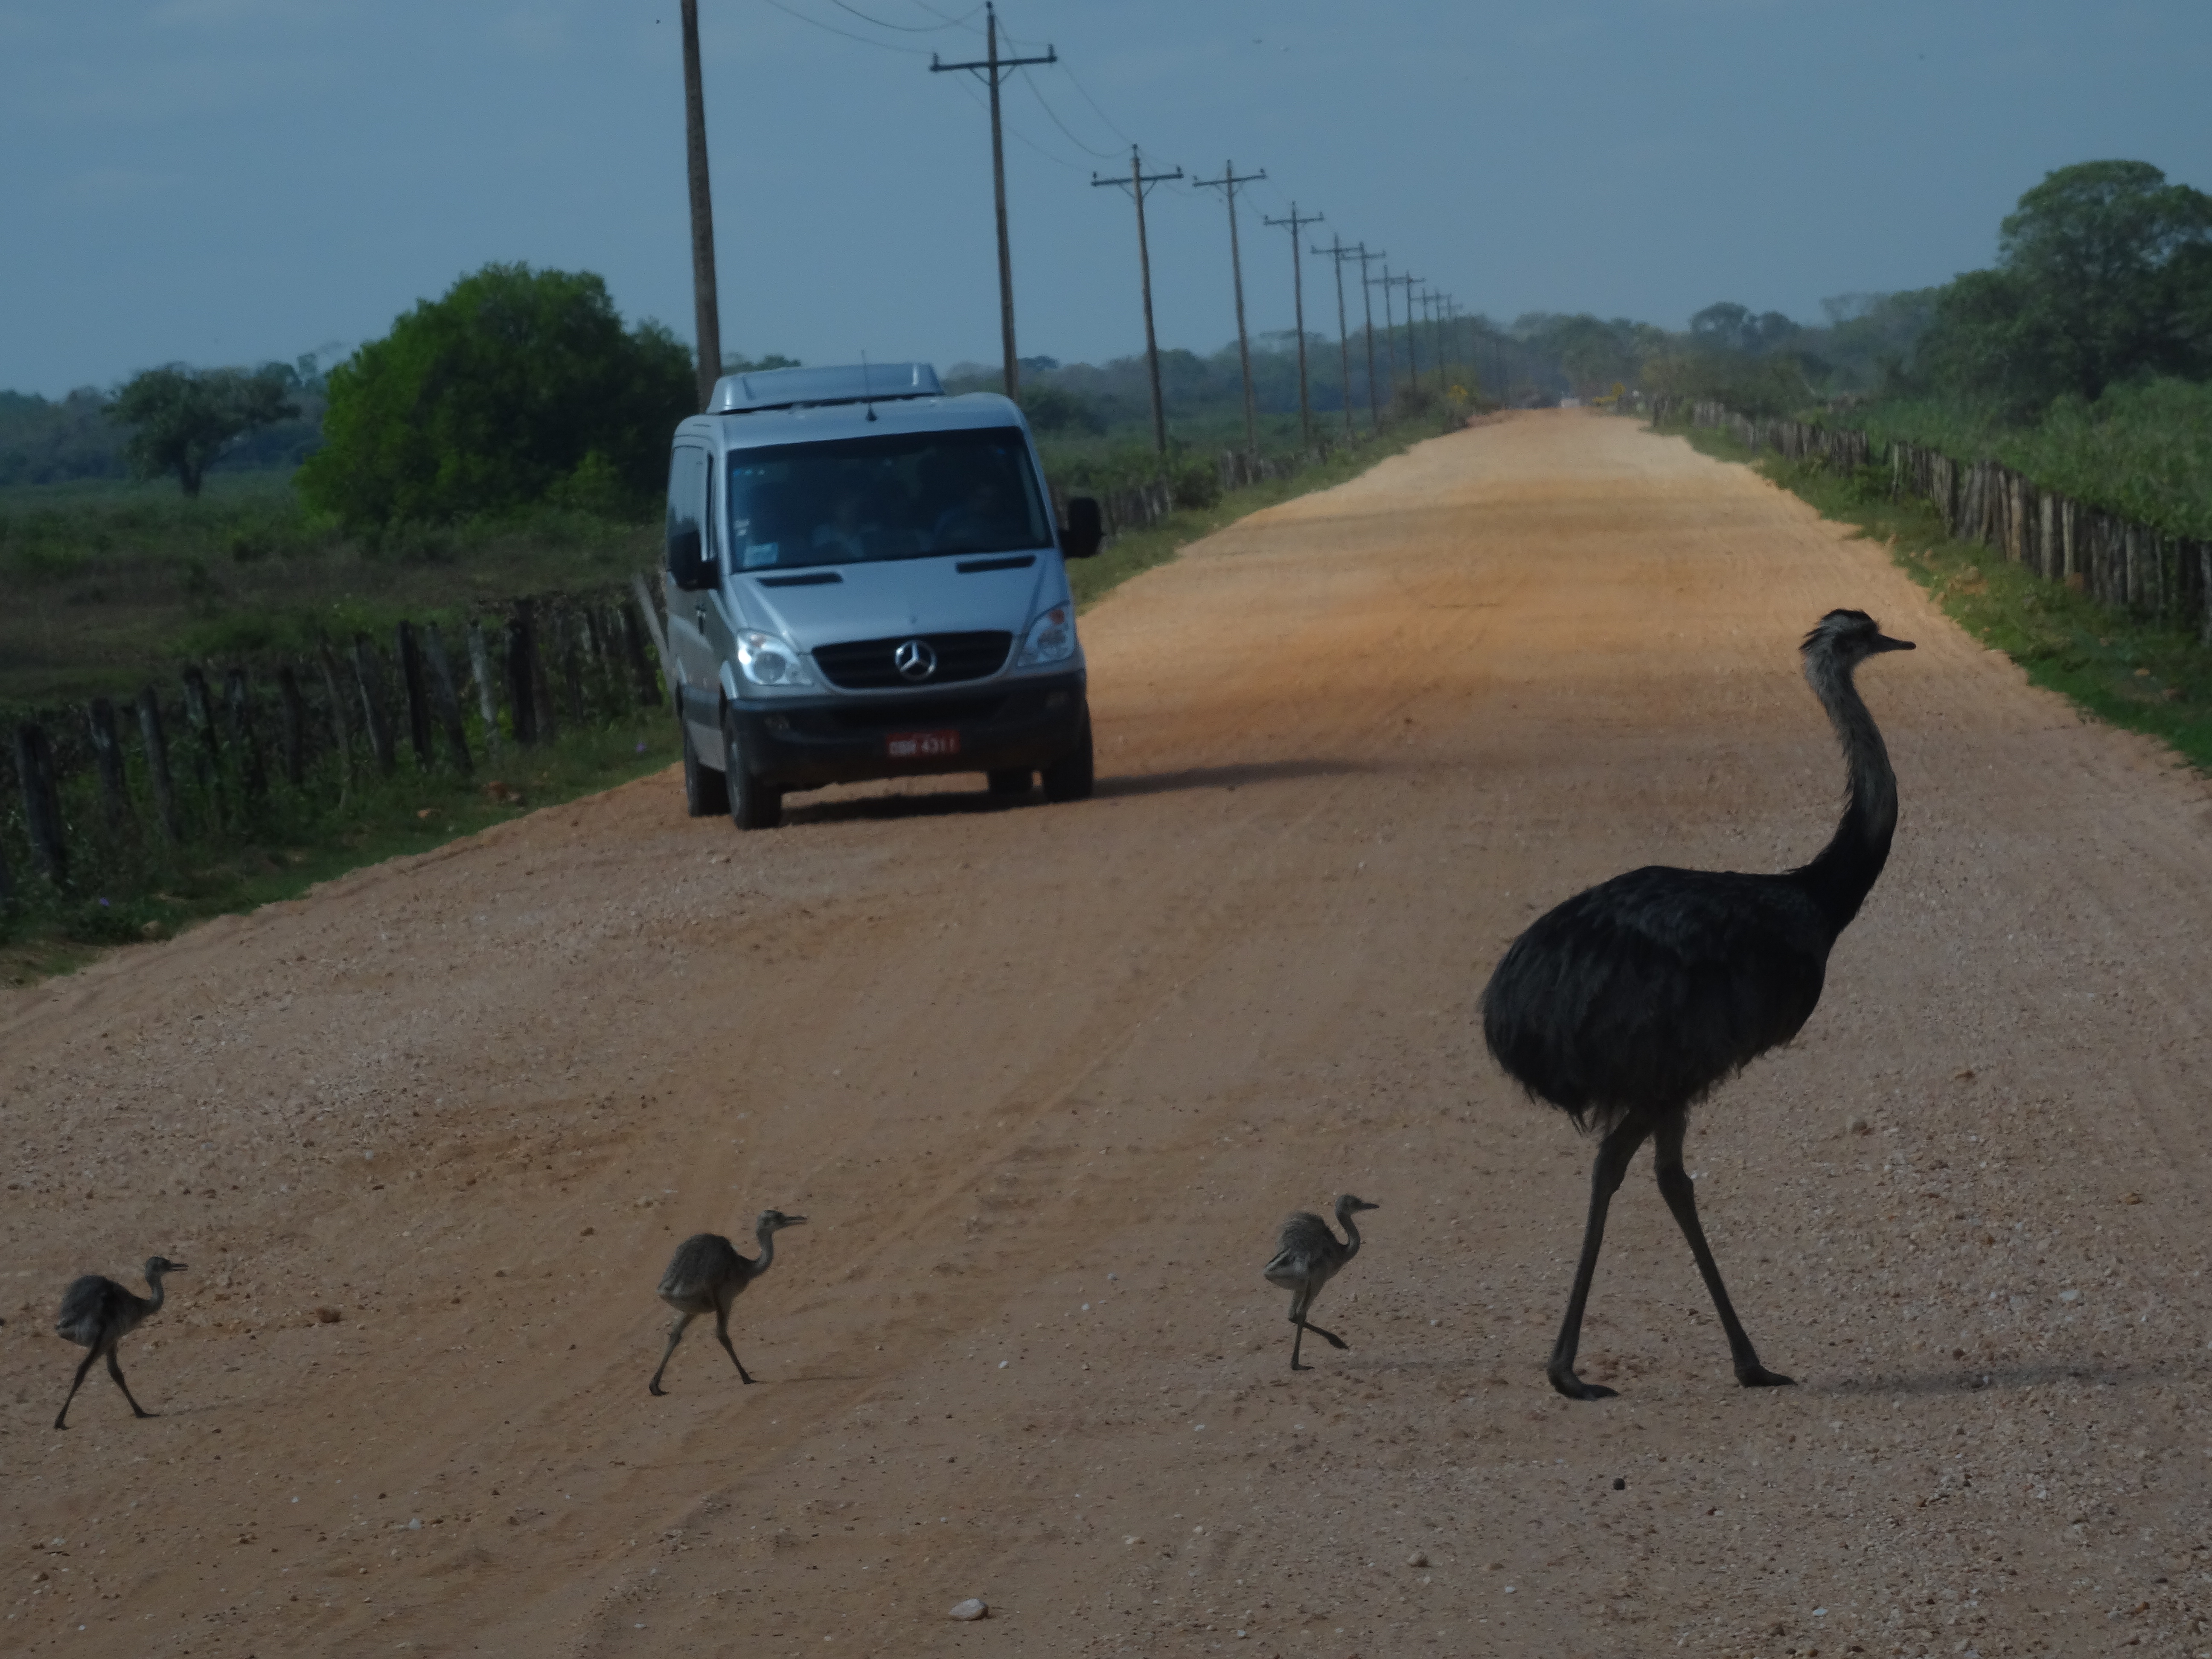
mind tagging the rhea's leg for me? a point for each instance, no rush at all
(675, 1335)
(1605, 1172)
(1676, 1186)
(61, 1417)
(722, 1336)
(1298, 1322)
(115, 1370)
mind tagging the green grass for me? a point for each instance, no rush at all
(2132, 673)
(135, 887)
(2143, 450)
(111, 584)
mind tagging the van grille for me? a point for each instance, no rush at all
(867, 665)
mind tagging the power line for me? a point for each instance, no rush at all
(903, 28)
(1337, 252)
(831, 29)
(1367, 301)
(1037, 91)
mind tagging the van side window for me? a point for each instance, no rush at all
(687, 470)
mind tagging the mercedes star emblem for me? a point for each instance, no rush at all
(914, 660)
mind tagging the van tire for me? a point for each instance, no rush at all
(1069, 778)
(753, 804)
(1009, 779)
(705, 792)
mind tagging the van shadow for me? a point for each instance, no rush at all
(957, 803)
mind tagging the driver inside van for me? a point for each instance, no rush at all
(981, 518)
(843, 536)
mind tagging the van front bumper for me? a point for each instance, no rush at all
(802, 742)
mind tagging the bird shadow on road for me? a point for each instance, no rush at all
(1977, 1379)
(1229, 777)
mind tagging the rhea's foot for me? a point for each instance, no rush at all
(1295, 1366)
(1564, 1379)
(654, 1387)
(1756, 1375)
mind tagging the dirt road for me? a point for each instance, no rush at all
(1045, 1080)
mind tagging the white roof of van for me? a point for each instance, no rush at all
(847, 383)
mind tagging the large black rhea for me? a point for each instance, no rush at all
(1626, 1005)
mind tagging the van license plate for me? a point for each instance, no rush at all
(922, 745)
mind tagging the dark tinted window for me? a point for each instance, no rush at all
(688, 471)
(906, 496)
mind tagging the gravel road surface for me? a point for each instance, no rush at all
(1045, 1080)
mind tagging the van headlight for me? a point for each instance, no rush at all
(1051, 638)
(767, 660)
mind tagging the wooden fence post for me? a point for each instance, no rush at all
(107, 749)
(157, 764)
(652, 619)
(296, 725)
(42, 803)
(341, 727)
(566, 630)
(244, 741)
(487, 688)
(207, 758)
(521, 673)
(417, 694)
(447, 696)
(370, 675)
(647, 684)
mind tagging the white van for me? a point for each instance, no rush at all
(864, 581)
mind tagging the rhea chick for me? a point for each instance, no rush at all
(98, 1313)
(1307, 1256)
(706, 1276)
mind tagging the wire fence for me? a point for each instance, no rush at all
(2116, 560)
(92, 792)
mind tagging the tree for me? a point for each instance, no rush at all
(486, 400)
(2104, 272)
(185, 418)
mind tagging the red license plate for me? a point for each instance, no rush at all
(922, 745)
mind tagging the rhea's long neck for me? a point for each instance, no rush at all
(766, 1235)
(1350, 1233)
(1845, 872)
(154, 1282)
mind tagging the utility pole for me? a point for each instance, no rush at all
(1227, 184)
(1412, 357)
(1385, 281)
(1137, 184)
(1337, 252)
(994, 69)
(1298, 291)
(706, 313)
(1367, 299)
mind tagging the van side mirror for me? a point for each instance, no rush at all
(687, 561)
(1084, 533)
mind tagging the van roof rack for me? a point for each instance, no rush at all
(800, 388)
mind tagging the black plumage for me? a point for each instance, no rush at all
(705, 1276)
(1627, 1004)
(98, 1313)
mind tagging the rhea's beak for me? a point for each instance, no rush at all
(794, 1220)
(1883, 642)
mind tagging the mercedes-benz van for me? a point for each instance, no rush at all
(864, 581)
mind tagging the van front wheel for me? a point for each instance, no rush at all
(753, 804)
(1069, 777)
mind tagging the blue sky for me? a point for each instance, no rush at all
(232, 181)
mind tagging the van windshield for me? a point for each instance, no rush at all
(903, 496)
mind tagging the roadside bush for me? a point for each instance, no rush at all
(515, 386)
